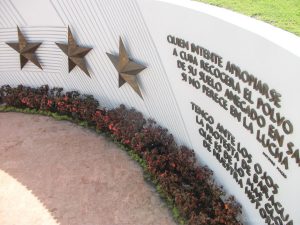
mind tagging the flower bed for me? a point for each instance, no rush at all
(188, 187)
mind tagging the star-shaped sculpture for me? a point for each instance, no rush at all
(26, 50)
(75, 53)
(126, 68)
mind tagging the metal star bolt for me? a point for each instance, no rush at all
(126, 68)
(26, 50)
(75, 53)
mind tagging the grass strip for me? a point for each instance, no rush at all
(284, 14)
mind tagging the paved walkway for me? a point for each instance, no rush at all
(54, 172)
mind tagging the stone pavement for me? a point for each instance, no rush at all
(54, 172)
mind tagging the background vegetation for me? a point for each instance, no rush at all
(284, 14)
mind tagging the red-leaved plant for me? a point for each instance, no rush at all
(189, 186)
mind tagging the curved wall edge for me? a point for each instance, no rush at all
(183, 31)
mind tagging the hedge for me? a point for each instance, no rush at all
(188, 187)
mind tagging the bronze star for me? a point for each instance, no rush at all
(26, 50)
(126, 68)
(75, 53)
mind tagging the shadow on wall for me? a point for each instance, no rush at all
(72, 176)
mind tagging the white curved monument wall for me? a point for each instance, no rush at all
(222, 83)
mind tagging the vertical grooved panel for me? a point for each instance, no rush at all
(97, 24)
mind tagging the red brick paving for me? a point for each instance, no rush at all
(54, 172)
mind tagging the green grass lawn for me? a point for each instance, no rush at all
(281, 13)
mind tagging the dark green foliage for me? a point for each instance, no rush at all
(187, 187)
